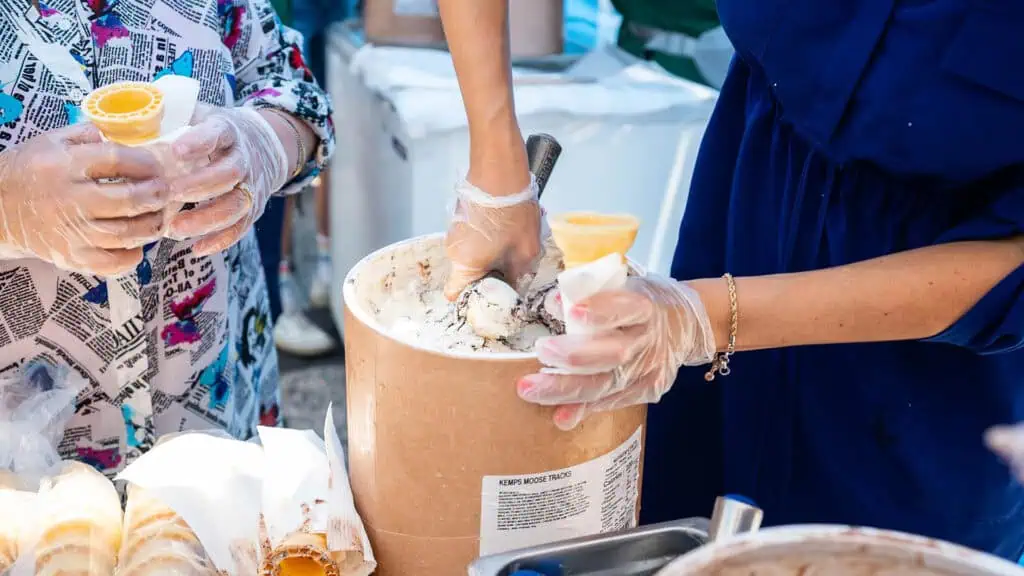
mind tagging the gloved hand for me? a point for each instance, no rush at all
(1008, 443)
(490, 233)
(639, 338)
(240, 163)
(52, 206)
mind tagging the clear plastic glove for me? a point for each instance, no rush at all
(492, 233)
(240, 164)
(639, 338)
(1008, 443)
(53, 205)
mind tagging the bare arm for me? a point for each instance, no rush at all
(904, 296)
(478, 37)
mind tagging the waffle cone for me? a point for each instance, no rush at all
(302, 554)
(158, 542)
(15, 509)
(8, 481)
(584, 237)
(79, 526)
(128, 113)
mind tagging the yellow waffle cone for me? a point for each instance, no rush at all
(302, 554)
(584, 237)
(157, 541)
(79, 524)
(128, 113)
(16, 511)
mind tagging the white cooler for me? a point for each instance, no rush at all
(629, 133)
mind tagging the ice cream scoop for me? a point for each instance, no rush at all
(492, 308)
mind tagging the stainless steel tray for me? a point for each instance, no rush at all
(639, 552)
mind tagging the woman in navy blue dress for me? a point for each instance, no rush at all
(854, 227)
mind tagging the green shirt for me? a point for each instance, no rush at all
(690, 17)
(284, 11)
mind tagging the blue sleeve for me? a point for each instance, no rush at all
(996, 323)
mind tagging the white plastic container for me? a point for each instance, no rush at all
(629, 132)
(804, 550)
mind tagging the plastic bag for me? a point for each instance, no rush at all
(36, 404)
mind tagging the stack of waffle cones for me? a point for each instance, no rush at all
(158, 542)
(10, 525)
(78, 529)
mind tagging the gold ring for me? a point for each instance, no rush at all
(248, 192)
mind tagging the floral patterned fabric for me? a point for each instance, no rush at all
(184, 342)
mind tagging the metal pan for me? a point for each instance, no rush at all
(638, 552)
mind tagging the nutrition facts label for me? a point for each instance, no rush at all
(591, 498)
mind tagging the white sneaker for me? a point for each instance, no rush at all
(296, 335)
(320, 289)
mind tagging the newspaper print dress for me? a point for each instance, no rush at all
(184, 342)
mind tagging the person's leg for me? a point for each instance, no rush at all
(286, 282)
(319, 290)
(268, 235)
(294, 333)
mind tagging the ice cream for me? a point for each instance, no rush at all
(492, 308)
(128, 113)
(411, 306)
(585, 237)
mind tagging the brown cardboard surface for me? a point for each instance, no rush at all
(424, 428)
(383, 25)
(535, 25)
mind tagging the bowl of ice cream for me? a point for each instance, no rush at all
(821, 550)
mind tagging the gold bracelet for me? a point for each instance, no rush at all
(720, 364)
(287, 119)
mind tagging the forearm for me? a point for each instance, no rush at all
(478, 38)
(286, 130)
(904, 296)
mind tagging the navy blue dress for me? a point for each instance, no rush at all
(846, 131)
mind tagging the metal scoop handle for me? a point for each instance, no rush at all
(542, 151)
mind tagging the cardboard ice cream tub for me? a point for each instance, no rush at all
(812, 550)
(447, 462)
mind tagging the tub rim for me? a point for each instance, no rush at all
(364, 316)
(952, 555)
